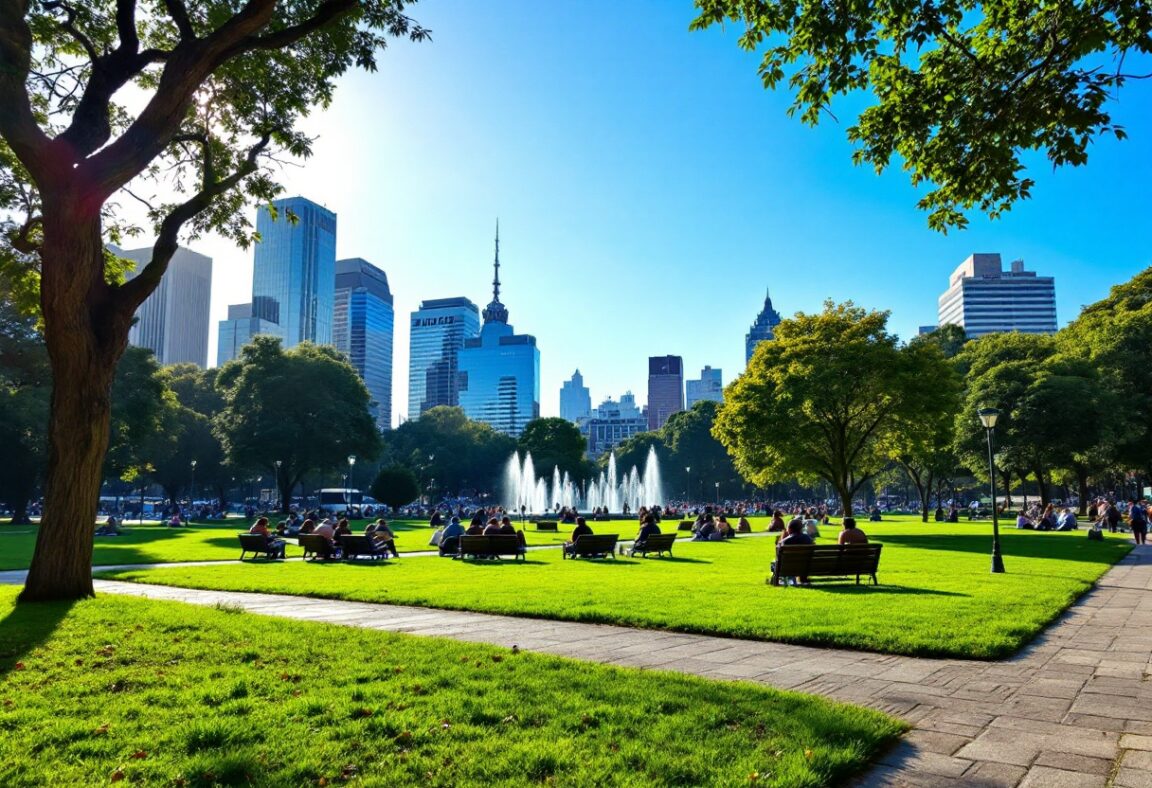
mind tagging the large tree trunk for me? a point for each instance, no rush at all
(85, 339)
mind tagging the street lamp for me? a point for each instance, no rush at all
(717, 494)
(348, 484)
(688, 484)
(283, 503)
(988, 417)
(192, 495)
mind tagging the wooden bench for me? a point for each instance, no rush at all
(450, 546)
(492, 546)
(592, 546)
(826, 561)
(315, 546)
(686, 525)
(546, 525)
(257, 544)
(657, 543)
(353, 546)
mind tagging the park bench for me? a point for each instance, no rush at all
(256, 544)
(546, 525)
(686, 525)
(315, 546)
(592, 546)
(657, 543)
(491, 546)
(450, 546)
(353, 546)
(838, 560)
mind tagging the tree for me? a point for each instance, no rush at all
(688, 434)
(219, 86)
(292, 412)
(555, 443)
(825, 400)
(445, 445)
(25, 391)
(186, 435)
(395, 486)
(963, 90)
(138, 399)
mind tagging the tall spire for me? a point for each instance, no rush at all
(496, 311)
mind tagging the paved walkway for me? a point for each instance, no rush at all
(1073, 709)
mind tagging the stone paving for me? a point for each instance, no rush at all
(1072, 709)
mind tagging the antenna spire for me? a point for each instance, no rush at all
(496, 266)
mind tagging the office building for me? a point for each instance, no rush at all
(439, 328)
(294, 271)
(575, 400)
(362, 328)
(665, 389)
(612, 423)
(173, 322)
(500, 369)
(238, 330)
(982, 298)
(710, 387)
(763, 329)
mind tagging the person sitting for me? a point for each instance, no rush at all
(328, 531)
(275, 546)
(492, 528)
(725, 529)
(794, 536)
(1047, 521)
(706, 530)
(777, 523)
(111, 527)
(1067, 521)
(875, 515)
(508, 529)
(341, 529)
(811, 526)
(743, 526)
(437, 520)
(953, 514)
(649, 528)
(383, 539)
(450, 537)
(1023, 523)
(307, 527)
(175, 522)
(582, 529)
(851, 534)
(476, 528)
(939, 514)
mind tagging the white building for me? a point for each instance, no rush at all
(710, 386)
(611, 423)
(173, 321)
(982, 298)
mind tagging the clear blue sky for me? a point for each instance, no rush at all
(649, 190)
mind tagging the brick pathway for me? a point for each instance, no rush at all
(1073, 709)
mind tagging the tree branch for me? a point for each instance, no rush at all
(126, 25)
(179, 13)
(69, 25)
(328, 11)
(17, 122)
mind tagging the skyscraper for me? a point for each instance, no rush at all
(665, 389)
(238, 330)
(362, 327)
(173, 321)
(439, 328)
(710, 387)
(500, 369)
(294, 271)
(575, 400)
(762, 329)
(982, 298)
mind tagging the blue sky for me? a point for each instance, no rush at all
(649, 190)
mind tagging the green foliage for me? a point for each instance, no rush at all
(445, 445)
(305, 407)
(160, 693)
(139, 397)
(936, 597)
(963, 90)
(828, 399)
(555, 443)
(633, 451)
(395, 486)
(949, 338)
(25, 394)
(688, 434)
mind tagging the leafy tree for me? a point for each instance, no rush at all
(187, 435)
(825, 400)
(445, 445)
(305, 407)
(963, 90)
(949, 338)
(395, 486)
(216, 90)
(555, 443)
(138, 395)
(688, 434)
(25, 392)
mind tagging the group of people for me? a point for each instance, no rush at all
(1049, 520)
(331, 529)
(447, 537)
(796, 534)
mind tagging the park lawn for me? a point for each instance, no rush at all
(120, 689)
(158, 544)
(936, 596)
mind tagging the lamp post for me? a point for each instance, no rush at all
(988, 417)
(717, 494)
(348, 486)
(688, 484)
(283, 503)
(192, 494)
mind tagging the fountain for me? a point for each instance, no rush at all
(524, 491)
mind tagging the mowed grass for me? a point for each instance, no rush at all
(160, 693)
(936, 596)
(156, 544)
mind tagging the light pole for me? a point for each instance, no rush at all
(283, 504)
(348, 486)
(988, 417)
(192, 494)
(717, 494)
(688, 484)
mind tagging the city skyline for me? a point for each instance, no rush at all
(644, 228)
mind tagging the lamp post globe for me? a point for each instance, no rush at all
(192, 493)
(988, 418)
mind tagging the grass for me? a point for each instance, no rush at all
(155, 543)
(936, 597)
(119, 689)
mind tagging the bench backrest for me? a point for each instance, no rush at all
(493, 544)
(847, 559)
(595, 543)
(659, 541)
(252, 542)
(546, 525)
(355, 544)
(313, 543)
(686, 525)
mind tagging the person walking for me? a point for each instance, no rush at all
(1138, 521)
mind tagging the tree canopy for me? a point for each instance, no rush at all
(395, 486)
(556, 443)
(445, 445)
(964, 90)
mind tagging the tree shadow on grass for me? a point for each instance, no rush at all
(1059, 546)
(25, 627)
(868, 588)
(676, 559)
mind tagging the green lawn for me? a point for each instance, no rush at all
(936, 597)
(119, 689)
(153, 544)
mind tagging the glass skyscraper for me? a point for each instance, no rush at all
(238, 330)
(362, 327)
(500, 370)
(665, 389)
(294, 271)
(762, 329)
(439, 328)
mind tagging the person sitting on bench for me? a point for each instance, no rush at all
(326, 530)
(795, 536)
(582, 529)
(275, 546)
(382, 537)
(851, 534)
(649, 528)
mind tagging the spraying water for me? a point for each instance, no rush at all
(524, 491)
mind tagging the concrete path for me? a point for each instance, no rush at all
(1073, 709)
